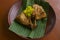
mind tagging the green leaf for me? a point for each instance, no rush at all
(29, 3)
(26, 3)
(39, 31)
(19, 29)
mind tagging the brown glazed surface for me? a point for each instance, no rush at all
(5, 34)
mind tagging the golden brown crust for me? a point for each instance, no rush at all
(39, 12)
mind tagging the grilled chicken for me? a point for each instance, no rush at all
(37, 14)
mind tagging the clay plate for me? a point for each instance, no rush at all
(50, 23)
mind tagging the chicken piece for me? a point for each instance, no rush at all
(23, 19)
(39, 12)
(33, 22)
(33, 25)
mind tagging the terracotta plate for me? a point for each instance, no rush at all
(51, 16)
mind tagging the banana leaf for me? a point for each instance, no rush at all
(41, 24)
